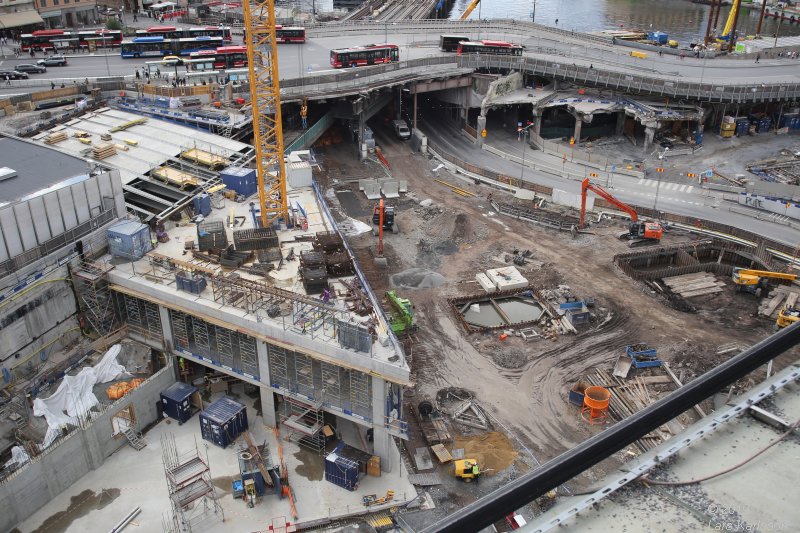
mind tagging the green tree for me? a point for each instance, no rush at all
(113, 24)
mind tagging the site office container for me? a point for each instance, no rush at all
(129, 239)
(223, 421)
(341, 471)
(176, 401)
(241, 180)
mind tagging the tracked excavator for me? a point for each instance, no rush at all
(639, 231)
(788, 316)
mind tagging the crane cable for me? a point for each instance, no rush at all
(649, 481)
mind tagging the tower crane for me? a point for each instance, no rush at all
(470, 8)
(265, 97)
(638, 231)
(726, 37)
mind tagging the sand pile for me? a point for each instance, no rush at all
(493, 451)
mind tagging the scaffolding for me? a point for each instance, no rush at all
(189, 482)
(308, 315)
(305, 420)
(91, 284)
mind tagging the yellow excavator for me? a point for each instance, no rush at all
(757, 281)
(788, 316)
(470, 8)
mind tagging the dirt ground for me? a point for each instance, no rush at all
(522, 385)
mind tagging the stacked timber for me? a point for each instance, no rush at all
(56, 137)
(103, 151)
(696, 284)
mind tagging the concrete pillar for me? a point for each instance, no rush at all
(267, 397)
(166, 327)
(537, 124)
(399, 100)
(649, 133)
(577, 134)
(415, 112)
(362, 154)
(620, 122)
(479, 128)
(381, 439)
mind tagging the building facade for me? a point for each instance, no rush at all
(68, 13)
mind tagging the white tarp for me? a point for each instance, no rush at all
(18, 456)
(74, 397)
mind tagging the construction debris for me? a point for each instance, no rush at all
(425, 480)
(471, 415)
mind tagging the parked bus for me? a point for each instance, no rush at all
(449, 43)
(172, 32)
(158, 46)
(166, 10)
(490, 48)
(290, 34)
(224, 57)
(371, 54)
(53, 39)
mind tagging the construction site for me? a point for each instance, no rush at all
(227, 319)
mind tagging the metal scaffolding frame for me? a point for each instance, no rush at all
(188, 478)
(305, 420)
(308, 315)
(96, 302)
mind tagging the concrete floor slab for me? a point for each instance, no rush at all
(139, 479)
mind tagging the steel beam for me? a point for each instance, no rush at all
(525, 489)
(450, 83)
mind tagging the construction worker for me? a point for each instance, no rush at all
(182, 364)
(304, 115)
(476, 470)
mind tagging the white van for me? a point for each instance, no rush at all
(401, 129)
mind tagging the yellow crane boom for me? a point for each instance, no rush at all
(747, 277)
(470, 8)
(725, 36)
(265, 97)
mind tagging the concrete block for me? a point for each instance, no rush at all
(402, 186)
(372, 190)
(389, 189)
(507, 278)
(486, 284)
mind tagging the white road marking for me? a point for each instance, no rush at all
(641, 180)
(690, 188)
(683, 188)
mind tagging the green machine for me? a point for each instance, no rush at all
(402, 313)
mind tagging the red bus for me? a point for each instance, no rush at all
(370, 54)
(172, 32)
(490, 47)
(224, 57)
(288, 34)
(52, 39)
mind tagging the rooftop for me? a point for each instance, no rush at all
(143, 146)
(38, 167)
(300, 321)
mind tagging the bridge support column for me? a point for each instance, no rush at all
(577, 134)
(399, 106)
(537, 121)
(620, 122)
(649, 133)
(478, 129)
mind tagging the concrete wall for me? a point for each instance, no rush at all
(773, 205)
(65, 462)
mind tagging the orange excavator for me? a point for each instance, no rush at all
(638, 231)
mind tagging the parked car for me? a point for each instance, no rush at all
(13, 75)
(58, 61)
(30, 68)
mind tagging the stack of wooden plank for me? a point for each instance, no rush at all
(104, 151)
(695, 284)
(629, 397)
(769, 307)
(56, 137)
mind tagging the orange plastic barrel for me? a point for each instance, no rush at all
(117, 390)
(595, 404)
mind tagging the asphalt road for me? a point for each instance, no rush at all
(296, 60)
(681, 199)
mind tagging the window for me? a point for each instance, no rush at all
(55, 2)
(43, 3)
(122, 421)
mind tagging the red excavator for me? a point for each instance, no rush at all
(638, 232)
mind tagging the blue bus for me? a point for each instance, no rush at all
(157, 46)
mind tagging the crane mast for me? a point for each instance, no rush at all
(265, 97)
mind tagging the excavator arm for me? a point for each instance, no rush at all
(470, 8)
(747, 277)
(586, 186)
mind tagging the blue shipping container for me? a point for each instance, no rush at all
(241, 180)
(202, 204)
(223, 421)
(341, 471)
(129, 239)
(176, 401)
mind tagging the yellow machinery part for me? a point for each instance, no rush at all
(787, 317)
(751, 277)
